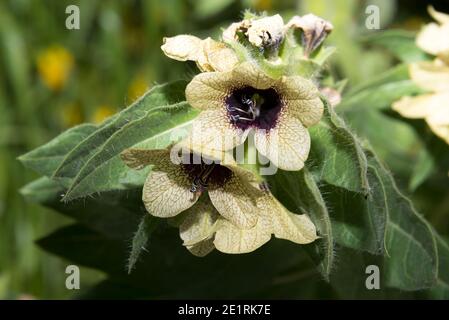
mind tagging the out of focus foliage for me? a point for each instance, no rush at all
(52, 79)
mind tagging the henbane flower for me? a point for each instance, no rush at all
(235, 102)
(238, 216)
(174, 185)
(431, 76)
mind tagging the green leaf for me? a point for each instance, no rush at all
(380, 97)
(397, 73)
(87, 248)
(411, 251)
(350, 277)
(400, 43)
(171, 271)
(423, 168)
(140, 239)
(48, 157)
(205, 9)
(158, 96)
(398, 152)
(323, 54)
(441, 289)
(106, 171)
(115, 214)
(358, 222)
(42, 191)
(337, 156)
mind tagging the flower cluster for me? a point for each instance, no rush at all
(238, 215)
(432, 76)
(217, 203)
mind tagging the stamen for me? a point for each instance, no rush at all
(238, 109)
(199, 183)
(250, 107)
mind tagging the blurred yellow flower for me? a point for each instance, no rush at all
(138, 86)
(54, 66)
(72, 115)
(102, 113)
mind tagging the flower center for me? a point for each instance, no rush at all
(250, 107)
(203, 175)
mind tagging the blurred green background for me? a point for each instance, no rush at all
(52, 78)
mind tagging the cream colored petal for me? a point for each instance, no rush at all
(300, 95)
(212, 133)
(248, 74)
(236, 201)
(434, 38)
(433, 107)
(441, 17)
(203, 248)
(417, 107)
(166, 191)
(310, 22)
(287, 145)
(234, 240)
(219, 57)
(302, 99)
(207, 155)
(430, 75)
(438, 118)
(199, 223)
(183, 47)
(230, 33)
(439, 112)
(209, 89)
(441, 130)
(285, 224)
(443, 56)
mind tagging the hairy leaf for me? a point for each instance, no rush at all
(158, 96)
(48, 157)
(106, 171)
(170, 271)
(140, 239)
(115, 214)
(337, 156)
(400, 43)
